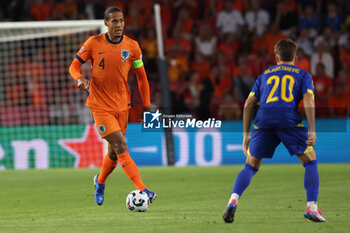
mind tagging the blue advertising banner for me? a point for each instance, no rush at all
(223, 146)
(42, 147)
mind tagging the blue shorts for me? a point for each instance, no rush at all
(263, 142)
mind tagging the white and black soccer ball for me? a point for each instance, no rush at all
(137, 201)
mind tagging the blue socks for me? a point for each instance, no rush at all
(311, 180)
(243, 179)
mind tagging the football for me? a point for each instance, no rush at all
(137, 201)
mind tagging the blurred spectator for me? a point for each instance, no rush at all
(59, 111)
(327, 38)
(304, 42)
(178, 42)
(205, 97)
(81, 114)
(345, 53)
(343, 77)
(134, 21)
(229, 46)
(229, 109)
(323, 90)
(185, 23)
(212, 7)
(177, 64)
(243, 83)
(323, 86)
(227, 62)
(272, 37)
(206, 42)
(87, 8)
(321, 56)
(166, 14)
(309, 20)
(258, 46)
(214, 78)
(225, 79)
(65, 10)
(286, 18)
(192, 6)
(339, 101)
(201, 65)
(41, 10)
(229, 20)
(118, 3)
(192, 91)
(150, 51)
(16, 94)
(215, 6)
(242, 65)
(302, 61)
(16, 10)
(333, 19)
(16, 80)
(257, 18)
(343, 38)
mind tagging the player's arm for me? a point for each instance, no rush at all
(249, 111)
(82, 56)
(75, 72)
(142, 83)
(309, 107)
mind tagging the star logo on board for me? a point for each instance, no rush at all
(151, 119)
(156, 115)
(88, 150)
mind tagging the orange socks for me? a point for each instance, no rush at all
(131, 170)
(108, 166)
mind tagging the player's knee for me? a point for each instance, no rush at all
(307, 156)
(121, 147)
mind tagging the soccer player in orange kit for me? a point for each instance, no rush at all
(112, 55)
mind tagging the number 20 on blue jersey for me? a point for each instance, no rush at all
(275, 81)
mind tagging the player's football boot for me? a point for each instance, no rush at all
(229, 213)
(314, 216)
(152, 196)
(99, 191)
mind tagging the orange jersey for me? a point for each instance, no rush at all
(111, 63)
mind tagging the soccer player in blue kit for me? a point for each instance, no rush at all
(277, 92)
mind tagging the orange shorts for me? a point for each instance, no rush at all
(108, 122)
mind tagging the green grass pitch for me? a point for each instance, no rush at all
(191, 199)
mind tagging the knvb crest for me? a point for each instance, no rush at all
(151, 120)
(125, 54)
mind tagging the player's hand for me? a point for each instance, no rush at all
(147, 108)
(312, 139)
(83, 84)
(245, 145)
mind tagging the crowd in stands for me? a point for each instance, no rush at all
(216, 49)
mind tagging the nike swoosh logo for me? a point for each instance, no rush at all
(100, 52)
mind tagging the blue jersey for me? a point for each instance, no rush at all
(279, 90)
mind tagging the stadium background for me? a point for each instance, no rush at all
(213, 62)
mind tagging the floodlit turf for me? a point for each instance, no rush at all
(190, 199)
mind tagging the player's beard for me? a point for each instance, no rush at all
(118, 33)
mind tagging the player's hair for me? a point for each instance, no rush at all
(286, 49)
(111, 9)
